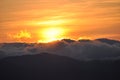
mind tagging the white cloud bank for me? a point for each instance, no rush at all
(81, 50)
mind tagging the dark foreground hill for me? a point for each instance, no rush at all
(53, 67)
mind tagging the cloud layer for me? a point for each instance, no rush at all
(80, 50)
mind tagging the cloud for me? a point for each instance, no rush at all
(2, 54)
(20, 36)
(80, 50)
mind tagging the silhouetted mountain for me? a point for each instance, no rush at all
(36, 67)
(108, 41)
(68, 40)
(15, 45)
(84, 40)
(53, 67)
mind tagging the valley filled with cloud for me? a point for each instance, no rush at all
(81, 50)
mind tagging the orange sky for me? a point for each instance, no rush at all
(24, 20)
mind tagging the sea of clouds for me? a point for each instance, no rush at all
(80, 50)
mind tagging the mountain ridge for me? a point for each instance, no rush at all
(49, 66)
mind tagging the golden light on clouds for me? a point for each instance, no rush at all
(21, 36)
(51, 22)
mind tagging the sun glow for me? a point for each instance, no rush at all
(52, 34)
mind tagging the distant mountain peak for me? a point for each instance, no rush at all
(108, 41)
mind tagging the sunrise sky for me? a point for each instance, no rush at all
(47, 20)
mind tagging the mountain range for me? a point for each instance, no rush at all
(47, 66)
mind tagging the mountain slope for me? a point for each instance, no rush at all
(39, 66)
(53, 67)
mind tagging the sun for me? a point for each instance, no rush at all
(51, 34)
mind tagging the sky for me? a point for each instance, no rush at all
(40, 20)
